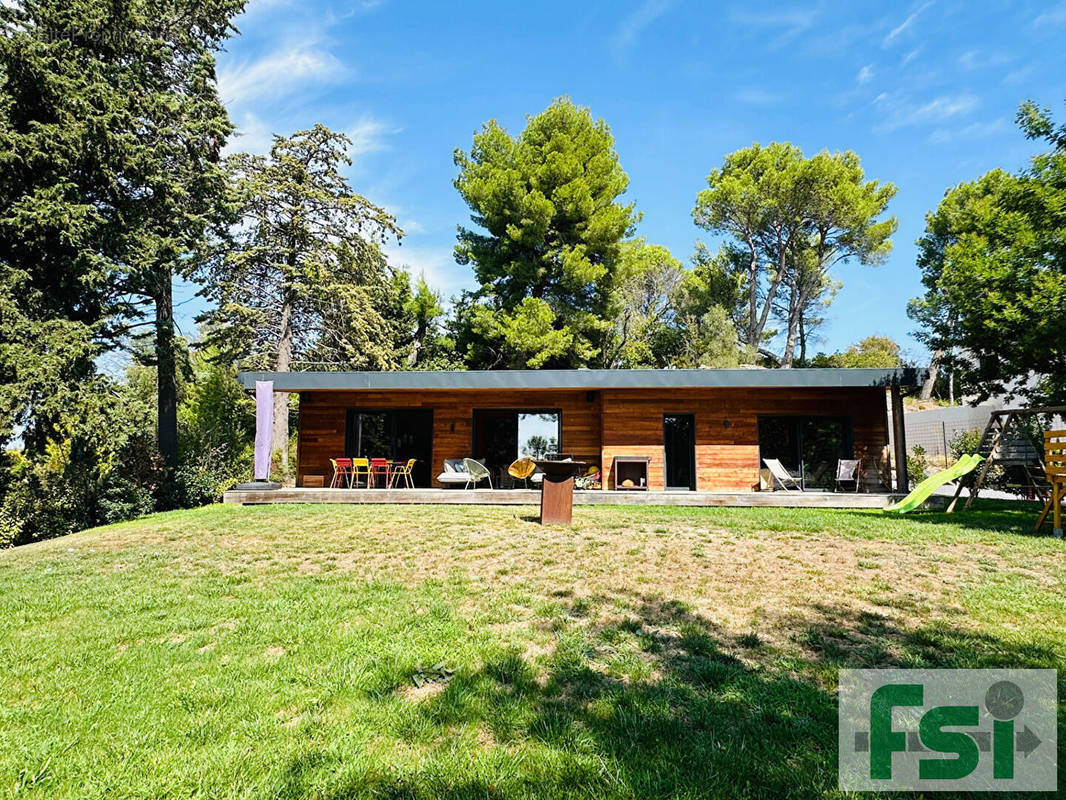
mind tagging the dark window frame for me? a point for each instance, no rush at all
(349, 424)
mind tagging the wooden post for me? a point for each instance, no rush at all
(1058, 489)
(899, 437)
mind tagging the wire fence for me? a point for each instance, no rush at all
(934, 429)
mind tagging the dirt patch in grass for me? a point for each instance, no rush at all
(423, 693)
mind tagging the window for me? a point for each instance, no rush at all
(538, 433)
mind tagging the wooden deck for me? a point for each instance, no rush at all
(532, 497)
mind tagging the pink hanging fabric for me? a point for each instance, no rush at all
(264, 428)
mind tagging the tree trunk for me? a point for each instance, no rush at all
(930, 380)
(753, 297)
(417, 344)
(795, 315)
(771, 294)
(281, 399)
(802, 339)
(166, 370)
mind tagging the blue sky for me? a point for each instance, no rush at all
(924, 92)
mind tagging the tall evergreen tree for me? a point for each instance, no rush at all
(305, 278)
(550, 240)
(109, 127)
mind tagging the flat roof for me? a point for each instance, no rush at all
(584, 379)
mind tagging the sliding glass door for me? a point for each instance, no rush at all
(807, 445)
(503, 435)
(397, 434)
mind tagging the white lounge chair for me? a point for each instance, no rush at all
(454, 473)
(781, 475)
(475, 472)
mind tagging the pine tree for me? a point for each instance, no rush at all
(550, 240)
(304, 278)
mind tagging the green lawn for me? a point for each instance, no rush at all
(454, 652)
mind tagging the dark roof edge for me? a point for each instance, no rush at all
(586, 379)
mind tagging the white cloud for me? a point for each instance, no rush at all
(910, 56)
(975, 130)
(279, 73)
(902, 113)
(253, 135)
(1054, 16)
(368, 136)
(976, 59)
(630, 28)
(757, 97)
(902, 28)
(436, 263)
(1016, 76)
(793, 21)
(865, 74)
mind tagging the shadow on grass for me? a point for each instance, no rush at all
(1015, 517)
(664, 703)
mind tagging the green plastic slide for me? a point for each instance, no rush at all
(933, 482)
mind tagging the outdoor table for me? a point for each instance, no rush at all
(557, 490)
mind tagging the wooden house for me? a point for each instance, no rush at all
(702, 430)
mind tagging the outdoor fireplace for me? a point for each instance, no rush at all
(631, 473)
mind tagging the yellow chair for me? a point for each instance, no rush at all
(360, 469)
(522, 469)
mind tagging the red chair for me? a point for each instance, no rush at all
(382, 467)
(342, 473)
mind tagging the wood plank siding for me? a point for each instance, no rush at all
(727, 437)
(610, 422)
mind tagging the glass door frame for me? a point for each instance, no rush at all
(352, 437)
(799, 419)
(691, 455)
(476, 445)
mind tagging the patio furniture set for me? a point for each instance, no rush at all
(470, 472)
(356, 473)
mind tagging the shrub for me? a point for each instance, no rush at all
(93, 471)
(216, 430)
(917, 465)
(964, 443)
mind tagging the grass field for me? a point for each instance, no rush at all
(455, 652)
